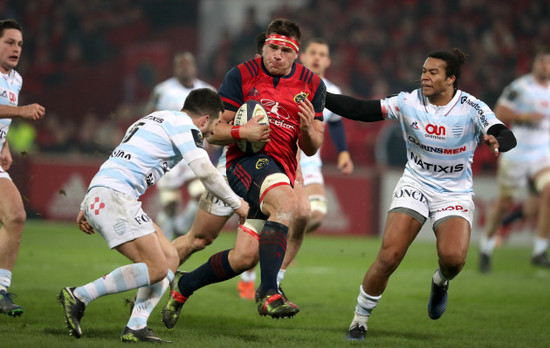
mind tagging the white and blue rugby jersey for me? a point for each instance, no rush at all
(150, 148)
(171, 94)
(10, 86)
(526, 95)
(440, 139)
(328, 116)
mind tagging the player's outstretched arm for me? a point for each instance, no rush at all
(32, 112)
(353, 108)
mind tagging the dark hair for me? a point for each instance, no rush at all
(454, 59)
(203, 101)
(317, 40)
(286, 27)
(260, 42)
(542, 51)
(9, 24)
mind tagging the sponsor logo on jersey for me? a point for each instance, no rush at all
(4, 94)
(300, 97)
(253, 92)
(436, 149)
(121, 154)
(12, 98)
(149, 180)
(154, 118)
(452, 207)
(277, 114)
(262, 162)
(416, 195)
(414, 125)
(165, 167)
(3, 134)
(436, 168)
(476, 107)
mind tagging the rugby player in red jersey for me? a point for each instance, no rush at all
(294, 99)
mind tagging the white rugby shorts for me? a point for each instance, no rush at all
(312, 175)
(116, 216)
(213, 205)
(4, 174)
(512, 175)
(428, 203)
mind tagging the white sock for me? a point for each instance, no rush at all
(365, 305)
(146, 300)
(541, 244)
(487, 245)
(5, 279)
(280, 276)
(439, 279)
(121, 279)
(249, 276)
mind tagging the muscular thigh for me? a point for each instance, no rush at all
(10, 199)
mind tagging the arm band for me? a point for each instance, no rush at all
(353, 108)
(506, 139)
(235, 132)
(338, 135)
(214, 182)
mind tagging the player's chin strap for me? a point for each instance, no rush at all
(506, 139)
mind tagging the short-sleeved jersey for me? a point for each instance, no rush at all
(10, 86)
(171, 94)
(440, 140)
(280, 96)
(150, 148)
(526, 95)
(328, 116)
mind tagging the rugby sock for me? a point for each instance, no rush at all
(272, 253)
(487, 245)
(146, 300)
(541, 244)
(365, 305)
(216, 269)
(249, 276)
(5, 279)
(121, 279)
(280, 276)
(439, 279)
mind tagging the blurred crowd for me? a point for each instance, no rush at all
(376, 49)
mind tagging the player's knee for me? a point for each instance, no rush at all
(158, 271)
(200, 243)
(15, 219)
(452, 262)
(388, 259)
(244, 259)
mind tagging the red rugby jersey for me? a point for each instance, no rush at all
(280, 96)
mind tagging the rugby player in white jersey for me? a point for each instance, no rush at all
(316, 57)
(170, 95)
(525, 104)
(442, 126)
(12, 211)
(151, 147)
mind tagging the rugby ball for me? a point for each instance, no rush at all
(245, 113)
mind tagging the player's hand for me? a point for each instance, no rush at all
(492, 142)
(32, 112)
(83, 224)
(253, 131)
(242, 211)
(5, 157)
(307, 114)
(345, 164)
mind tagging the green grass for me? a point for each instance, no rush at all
(508, 308)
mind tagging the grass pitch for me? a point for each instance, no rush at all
(507, 308)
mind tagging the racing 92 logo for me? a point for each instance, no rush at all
(435, 130)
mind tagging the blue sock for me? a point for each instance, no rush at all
(272, 253)
(215, 270)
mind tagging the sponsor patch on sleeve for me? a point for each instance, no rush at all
(197, 136)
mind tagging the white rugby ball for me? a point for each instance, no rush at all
(246, 112)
